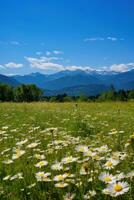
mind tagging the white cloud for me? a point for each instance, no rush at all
(112, 38)
(38, 53)
(2, 67)
(113, 68)
(14, 43)
(52, 64)
(45, 63)
(13, 65)
(74, 67)
(58, 52)
(48, 53)
(121, 67)
(93, 39)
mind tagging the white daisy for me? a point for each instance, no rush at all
(69, 159)
(41, 176)
(111, 163)
(68, 196)
(82, 148)
(61, 185)
(61, 177)
(106, 177)
(118, 188)
(57, 166)
(17, 153)
(41, 164)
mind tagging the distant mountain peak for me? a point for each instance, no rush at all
(70, 79)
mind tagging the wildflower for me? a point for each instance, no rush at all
(120, 176)
(82, 148)
(119, 155)
(61, 177)
(69, 159)
(17, 176)
(18, 153)
(118, 188)
(110, 163)
(5, 151)
(31, 186)
(33, 145)
(90, 153)
(6, 178)
(68, 196)
(61, 185)
(5, 127)
(41, 164)
(106, 177)
(22, 142)
(89, 194)
(130, 174)
(41, 176)
(106, 191)
(57, 166)
(103, 149)
(79, 183)
(39, 156)
(7, 161)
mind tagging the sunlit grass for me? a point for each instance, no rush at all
(64, 151)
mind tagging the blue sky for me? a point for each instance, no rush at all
(53, 35)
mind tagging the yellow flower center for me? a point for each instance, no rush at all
(41, 174)
(41, 163)
(107, 179)
(60, 177)
(109, 164)
(118, 188)
(69, 159)
(81, 149)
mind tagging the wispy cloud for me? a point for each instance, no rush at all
(113, 68)
(112, 38)
(45, 63)
(1, 67)
(39, 53)
(13, 65)
(94, 39)
(56, 52)
(48, 53)
(121, 67)
(13, 43)
(52, 64)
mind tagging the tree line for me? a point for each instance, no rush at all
(22, 93)
(120, 95)
(29, 93)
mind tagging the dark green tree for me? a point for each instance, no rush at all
(28, 93)
(6, 93)
(131, 94)
(121, 95)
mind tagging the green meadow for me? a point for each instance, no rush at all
(55, 151)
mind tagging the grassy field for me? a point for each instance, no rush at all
(59, 151)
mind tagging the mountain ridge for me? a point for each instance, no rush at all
(74, 80)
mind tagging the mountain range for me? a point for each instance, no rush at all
(74, 82)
